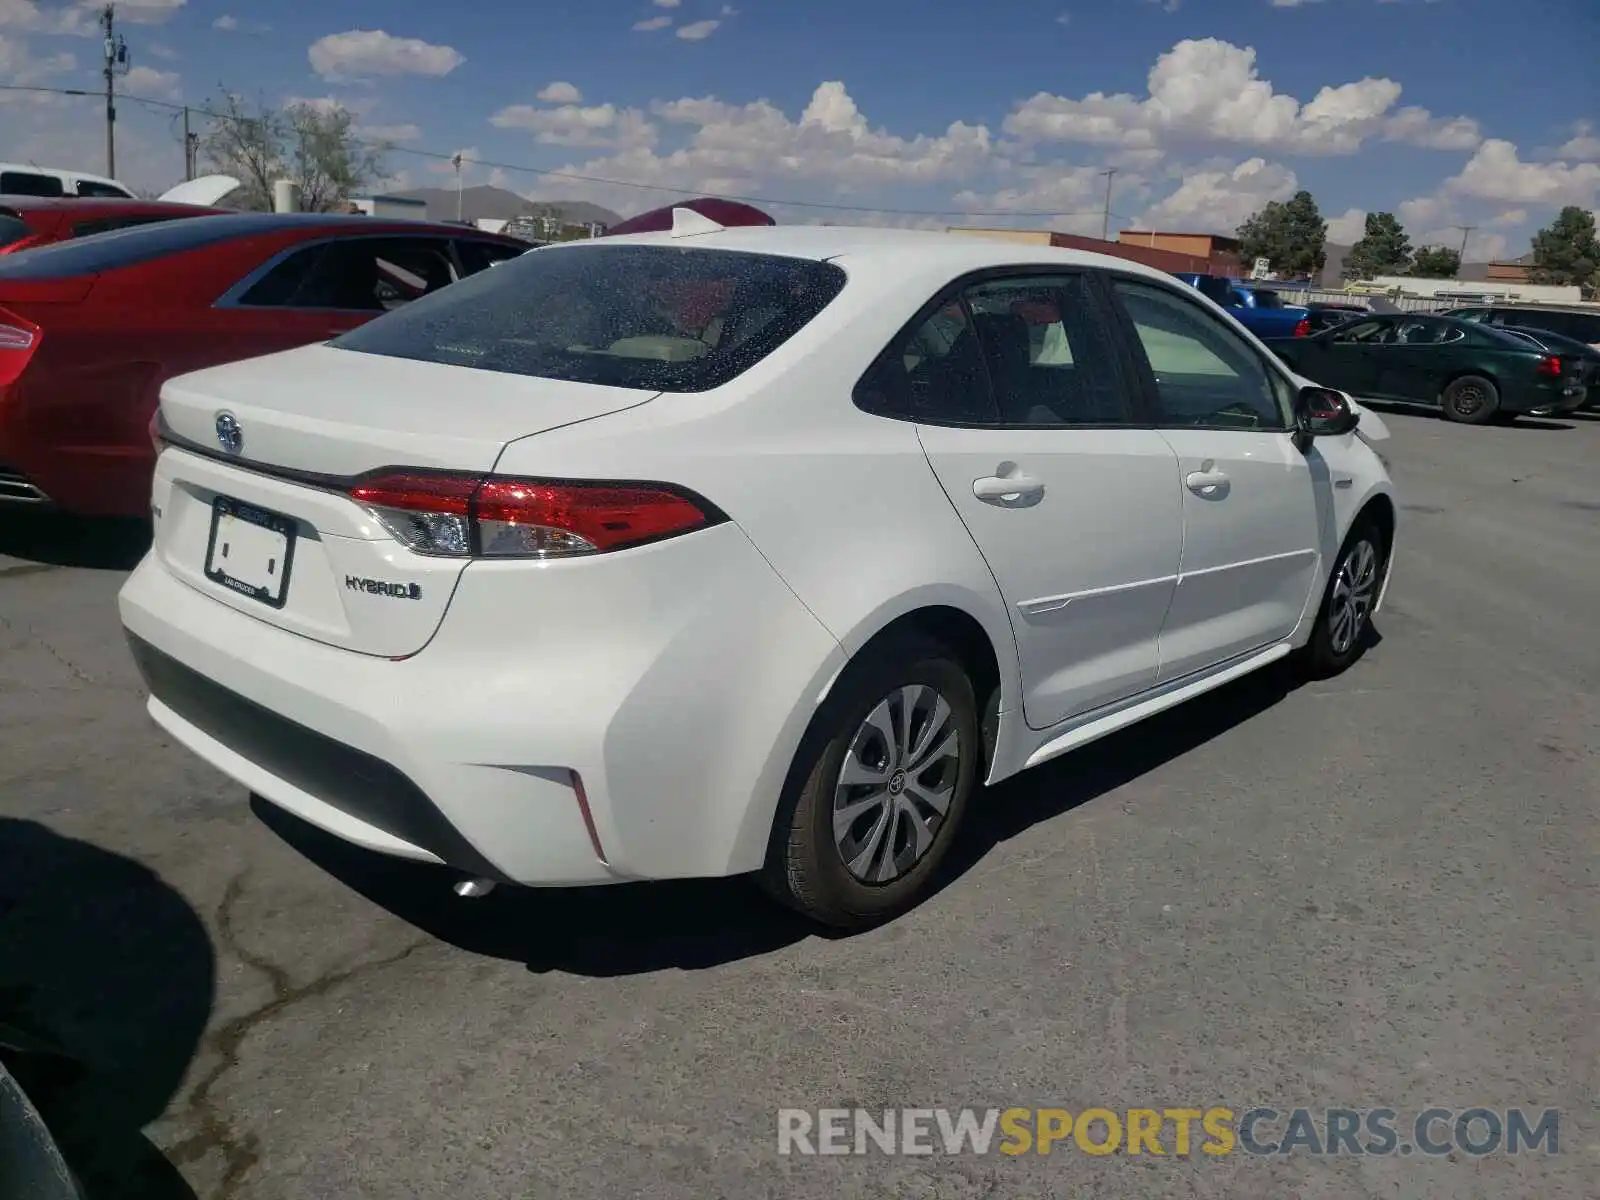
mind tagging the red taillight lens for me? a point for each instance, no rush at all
(1549, 366)
(1303, 329)
(464, 516)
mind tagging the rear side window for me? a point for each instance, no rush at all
(653, 318)
(933, 373)
(26, 183)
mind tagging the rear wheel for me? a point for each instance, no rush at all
(879, 788)
(1471, 400)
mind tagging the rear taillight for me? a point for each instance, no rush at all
(1303, 329)
(467, 516)
(1549, 366)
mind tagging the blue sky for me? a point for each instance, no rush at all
(1449, 112)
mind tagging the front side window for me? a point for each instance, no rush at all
(1050, 357)
(654, 318)
(1205, 375)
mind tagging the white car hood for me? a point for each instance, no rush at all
(205, 191)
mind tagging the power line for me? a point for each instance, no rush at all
(575, 177)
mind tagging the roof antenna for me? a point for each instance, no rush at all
(686, 223)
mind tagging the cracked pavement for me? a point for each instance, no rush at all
(1375, 891)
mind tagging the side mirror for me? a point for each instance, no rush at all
(1322, 412)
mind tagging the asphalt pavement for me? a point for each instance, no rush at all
(1374, 892)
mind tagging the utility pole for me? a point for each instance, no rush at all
(456, 162)
(191, 144)
(1105, 221)
(1461, 255)
(116, 64)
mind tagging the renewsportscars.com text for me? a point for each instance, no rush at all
(1169, 1132)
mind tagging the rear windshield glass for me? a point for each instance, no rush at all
(1267, 299)
(655, 318)
(125, 247)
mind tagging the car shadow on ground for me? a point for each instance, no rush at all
(106, 983)
(634, 928)
(59, 540)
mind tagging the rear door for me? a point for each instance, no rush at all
(1070, 497)
(1251, 528)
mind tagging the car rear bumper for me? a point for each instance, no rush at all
(548, 735)
(94, 481)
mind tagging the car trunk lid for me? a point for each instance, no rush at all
(251, 498)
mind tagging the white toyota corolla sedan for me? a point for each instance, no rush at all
(728, 551)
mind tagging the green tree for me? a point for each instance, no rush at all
(1384, 249)
(312, 145)
(1291, 235)
(1436, 262)
(1566, 252)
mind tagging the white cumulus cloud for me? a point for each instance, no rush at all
(361, 53)
(698, 30)
(559, 91)
(1208, 90)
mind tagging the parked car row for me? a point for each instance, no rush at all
(1473, 372)
(93, 326)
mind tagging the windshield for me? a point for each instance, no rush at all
(653, 318)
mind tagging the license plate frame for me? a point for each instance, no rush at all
(259, 533)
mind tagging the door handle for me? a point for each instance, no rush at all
(1205, 483)
(1003, 489)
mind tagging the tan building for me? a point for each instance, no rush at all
(1199, 245)
(1164, 258)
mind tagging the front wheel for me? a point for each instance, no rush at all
(1345, 618)
(1471, 400)
(879, 789)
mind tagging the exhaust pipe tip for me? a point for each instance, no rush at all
(472, 889)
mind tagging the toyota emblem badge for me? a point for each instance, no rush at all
(229, 436)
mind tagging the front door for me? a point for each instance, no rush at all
(1075, 508)
(1251, 544)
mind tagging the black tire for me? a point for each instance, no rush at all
(1471, 400)
(1327, 653)
(806, 867)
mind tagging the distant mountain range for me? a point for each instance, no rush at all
(486, 203)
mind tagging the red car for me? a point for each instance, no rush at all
(27, 222)
(724, 212)
(91, 328)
